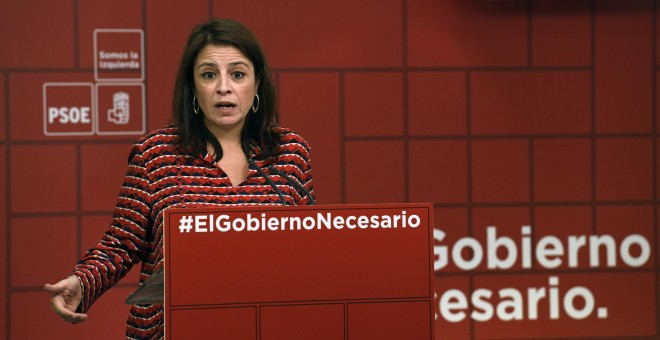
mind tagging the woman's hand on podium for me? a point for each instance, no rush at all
(65, 297)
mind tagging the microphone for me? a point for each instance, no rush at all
(295, 184)
(291, 181)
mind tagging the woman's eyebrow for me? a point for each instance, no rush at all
(211, 64)
(235, 63)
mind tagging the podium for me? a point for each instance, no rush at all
(310, 272)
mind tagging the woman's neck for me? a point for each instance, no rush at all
(229, 139)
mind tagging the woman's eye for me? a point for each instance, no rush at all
(238, 75)
(208, 75)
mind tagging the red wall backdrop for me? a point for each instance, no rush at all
(502, 113)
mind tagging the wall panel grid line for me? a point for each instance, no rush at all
(470, 180)
(522, 137)
(352, 138)
(593, 116)
(406, 98)
(342, 137)
(7, 207)
(420, 69)
(654, 126)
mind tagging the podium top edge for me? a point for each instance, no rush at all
(276, 207)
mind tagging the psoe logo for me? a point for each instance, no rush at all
(120, 113)
(121, 108)
(68, 109)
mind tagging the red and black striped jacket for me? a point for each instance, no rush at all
(159, 177)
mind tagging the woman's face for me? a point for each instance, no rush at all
(225, 86)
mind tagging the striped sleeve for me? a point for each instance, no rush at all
(125, 241)
(306, 178)
(297, 153)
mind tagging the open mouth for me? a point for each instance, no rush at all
(225, 105)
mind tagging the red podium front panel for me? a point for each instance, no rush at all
(311, 272)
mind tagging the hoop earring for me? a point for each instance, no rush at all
(254, 109)
(195, 105)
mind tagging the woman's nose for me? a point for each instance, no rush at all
(223, 85)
